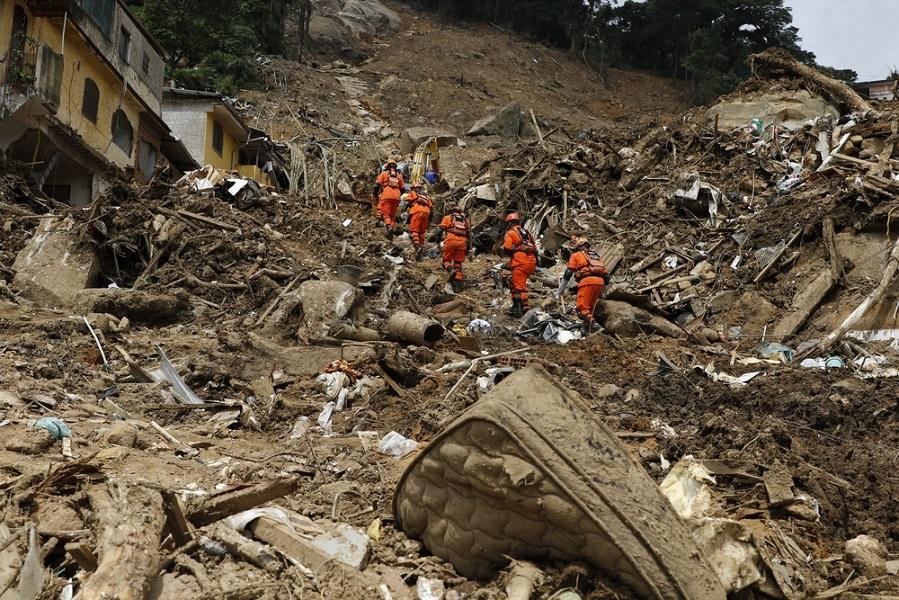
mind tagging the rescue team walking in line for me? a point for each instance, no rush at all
(585, 265)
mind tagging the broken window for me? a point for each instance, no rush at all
(90, 102)
(146, 158)
(122, 133)
(218, 138)
(100, 12)
(145, 63)
(124, 44)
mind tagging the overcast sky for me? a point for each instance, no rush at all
(854, 34)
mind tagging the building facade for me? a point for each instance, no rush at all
(215, 134)
(80, 94)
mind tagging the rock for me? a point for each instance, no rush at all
(788, 109)
(607, 391)
(506, 122)
(626, 320)
(137, 306)
(324, 302)
(121, 433)
(30, 441)
(416, 136)
(867, 554)
(367, 18)
(54, 266)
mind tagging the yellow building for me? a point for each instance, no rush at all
(215, 134)
(81, 95)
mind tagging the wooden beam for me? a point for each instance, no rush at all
(174, 518)
(204, 511)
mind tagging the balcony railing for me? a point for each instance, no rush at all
(33, 70)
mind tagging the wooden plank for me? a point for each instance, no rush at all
(244, 548)
(204, 511)
(390, 381)
(83, 556)
(208, 220)
(804, 304)
(174, 518)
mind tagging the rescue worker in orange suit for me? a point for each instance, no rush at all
(519, 244)
(457, 230)
(591, 274)
(389, 188)
(419, 216)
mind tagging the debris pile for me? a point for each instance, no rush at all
(258, 395)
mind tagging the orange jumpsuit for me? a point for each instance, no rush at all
(455, 246)
(419, 215)
(518, 242)
(588, 268)
(391, 183)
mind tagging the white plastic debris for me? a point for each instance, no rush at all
(478, 326)
(324, 418)
(492, 376)
(333, 383)
(670, 261)
(397, 445)
(687, 488)
(347, 222)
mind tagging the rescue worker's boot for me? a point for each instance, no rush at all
(457, 286)
(419, 250)
(388, 231)
(517, 311)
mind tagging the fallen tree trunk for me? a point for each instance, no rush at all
(414, 329)
(873, 298)
(131, 521)
(778, 60)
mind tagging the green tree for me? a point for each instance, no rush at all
(213, 48)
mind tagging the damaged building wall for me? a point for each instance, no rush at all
(194, 117)
(108, 94)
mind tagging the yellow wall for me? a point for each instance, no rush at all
(79, 62)
(252, 172)
(228, 158)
